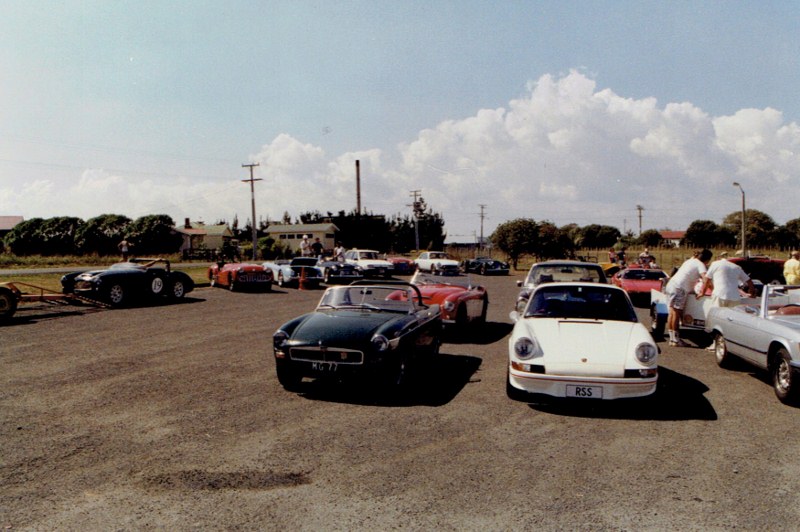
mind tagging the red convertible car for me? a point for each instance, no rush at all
(240, 276)
(460, 301)
(638, 281)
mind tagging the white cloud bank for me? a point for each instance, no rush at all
(565, 152)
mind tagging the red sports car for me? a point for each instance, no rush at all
(638, 282)
(402, 265)
(240, 276)
(461, 302)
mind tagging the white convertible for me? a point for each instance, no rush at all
(580, 340)
(764, 333)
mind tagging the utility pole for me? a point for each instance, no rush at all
(418, 207)
(482, 215)
(253, 202)
(358, 188)
(640, 209)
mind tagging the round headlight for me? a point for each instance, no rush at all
(279, 339)
(380, 343)
(524, 347)
(521, 304)
(646, 353)
(449, 306)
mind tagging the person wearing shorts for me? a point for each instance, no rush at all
(678, 289)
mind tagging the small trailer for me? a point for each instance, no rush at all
(14, 294)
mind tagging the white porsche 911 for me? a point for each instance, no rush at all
(580, 340)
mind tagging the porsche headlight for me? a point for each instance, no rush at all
(525, 347)
(380, 343)
(646, 353)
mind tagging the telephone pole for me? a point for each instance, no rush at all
(418, 206)
(482, 215)
(640, 209)
(253, 203)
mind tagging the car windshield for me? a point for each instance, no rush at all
(582, 302)
(422, 279)
(385, 298)
(304, 261)
(437, 255)
(643, 275)
(368, 255)
(560, 273)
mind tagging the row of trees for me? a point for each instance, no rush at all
(525, 236)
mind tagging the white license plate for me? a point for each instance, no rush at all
(324, 367)
(585, 392)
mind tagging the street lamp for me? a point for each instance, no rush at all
(744, 248)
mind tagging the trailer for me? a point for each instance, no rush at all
(14, 294)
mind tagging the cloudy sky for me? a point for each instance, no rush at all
(567, 111)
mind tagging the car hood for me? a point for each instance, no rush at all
(587, 347)
(640, 285)
(342, 327)
(438, 293)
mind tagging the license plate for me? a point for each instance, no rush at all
(585, 392)
(324, 367)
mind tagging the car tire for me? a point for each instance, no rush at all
(8, 304)
(116, 295)
(178, 290)
(287, 376)
(658, 322)
(783, 378)
(721, 354)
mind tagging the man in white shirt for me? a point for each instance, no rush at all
(726, 278)
(678, 289)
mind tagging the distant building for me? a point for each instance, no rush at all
(7, 223)
(199, 236)
(672, 238)
(292, 234)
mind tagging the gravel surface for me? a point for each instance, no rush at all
(170, 417)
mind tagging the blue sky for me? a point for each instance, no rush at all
(561, 111)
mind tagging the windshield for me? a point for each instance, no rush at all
(437, 255)
(560, 273)
(422, 279)
(386, 298)
(586, 302)
(369, 255)
(643, 275)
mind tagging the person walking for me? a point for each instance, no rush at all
(678, 289)
(791, 268)
(124, 248)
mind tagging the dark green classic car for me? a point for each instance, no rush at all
(375, 331)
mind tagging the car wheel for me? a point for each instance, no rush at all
(178, 290)
(721, 354)
(658, 322)
(8, 304)
(157, 286)
(116, 295)
(287, 376)
(281, 282)
(213, 281)
(783, 378)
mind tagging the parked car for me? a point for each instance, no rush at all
(764, 269)
(437, 262)
(359, 330)
(580, 340)
(240, 276)
(462, 303)
(291, 272)
(764, 333)
(370, 262)
(402, 265)
(557, 271)
(335, 272)
(485, 266)
(136, 279)
(638, 282)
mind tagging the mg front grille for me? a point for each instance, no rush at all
(326, 354)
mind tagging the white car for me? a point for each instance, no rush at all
(580, 340)
(437, 262)
(370, 262)
(765, 333)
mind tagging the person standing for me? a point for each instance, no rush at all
(678, 289)
(791, 268)
(305, 247)
(338, 252)
(316, 248)
(124, 248)
(726, 278)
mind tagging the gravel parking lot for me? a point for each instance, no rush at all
(170, 417)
